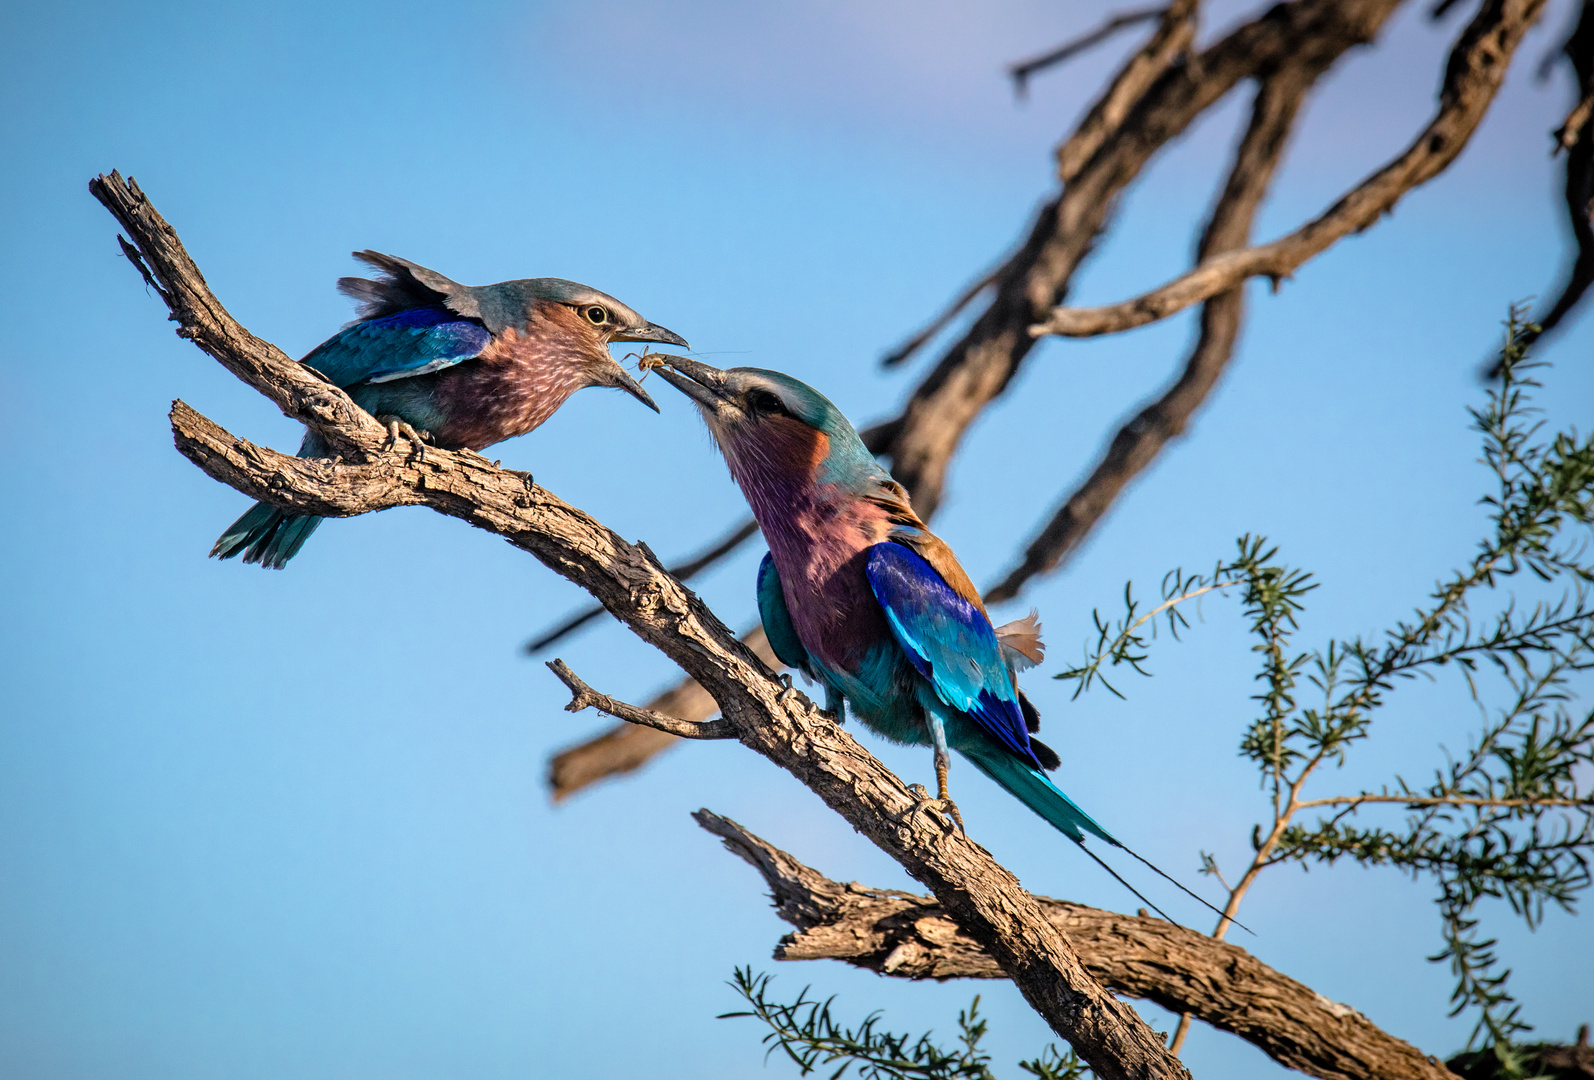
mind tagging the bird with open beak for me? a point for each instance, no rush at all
(459, 366)
(858, 594)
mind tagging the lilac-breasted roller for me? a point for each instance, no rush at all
(858, 594)
(460, 366)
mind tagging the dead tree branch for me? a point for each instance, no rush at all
(1278, 101)
(911, 937)
(585, 697)
(626, 747)
(1576, 137)
(765, 715)
(716, 551)
(1477, 67)
(1024, 69)
(1153, 98)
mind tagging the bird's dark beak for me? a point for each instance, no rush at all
(649, 332)
(621, 379)
(698, 381)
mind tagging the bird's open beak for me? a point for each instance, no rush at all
(650, 332)
(698, 381)
(619, 378)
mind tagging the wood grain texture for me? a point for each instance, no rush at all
(908, 936)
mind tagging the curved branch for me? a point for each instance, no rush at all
(1021, 71)
(585, 697)
(681, 572)
(625, 748)
(1476, 70)
(1576, 137)
(765, 715)
(980, 366)
(911, 937)
(1353, 801)
(1169, 44)
(1138, 442)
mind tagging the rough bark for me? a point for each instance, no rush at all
(1279, 97)
(980, 366)
(1477, 67)
(765, 714)
(912, 937)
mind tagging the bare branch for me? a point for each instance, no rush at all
(1137, 443)
(766, 715)
(297, 390)
(1576, 137)
(911, 937)
(1022, 70)
(1477, 68)
(681, 572)
(922, 440)
(980, 366)
(941, 321)
(585, 697)
(1174, 35)
(627, 747)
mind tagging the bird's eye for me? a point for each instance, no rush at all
(764, 402)
(596, 314)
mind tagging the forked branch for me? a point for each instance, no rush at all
(1476, 70)
(763, 712)
(911, 937)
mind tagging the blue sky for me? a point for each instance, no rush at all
(266, 824)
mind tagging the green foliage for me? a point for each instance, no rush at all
(1509, 818)
(808, 1033)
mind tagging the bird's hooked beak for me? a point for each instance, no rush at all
(653, 333)
(698, 381)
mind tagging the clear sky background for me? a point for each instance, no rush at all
(257, 825)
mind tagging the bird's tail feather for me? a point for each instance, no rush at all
(265, 535)
(1036, 791)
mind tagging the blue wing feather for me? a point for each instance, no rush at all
(949, 641)
(400, 346)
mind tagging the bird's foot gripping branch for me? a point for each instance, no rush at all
(361, 475)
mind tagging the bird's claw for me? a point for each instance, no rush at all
(943, 811)
(788, 693)
(417, 439)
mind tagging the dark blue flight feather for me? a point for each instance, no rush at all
(950, 642)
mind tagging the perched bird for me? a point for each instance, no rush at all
(858, 594)
(461, 366)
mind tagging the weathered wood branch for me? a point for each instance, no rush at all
(719, 549)
(912, 937)
(1155, 95)
(1576, 137)
(627, 747)
(585, 697)
(766, 715)
(980, 366)
(1279, 97)
(1170, 43)
(298, 391)
(1023, 70)
(1477, 67)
